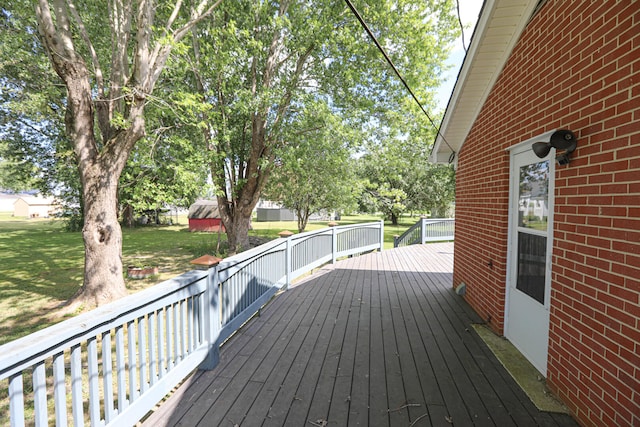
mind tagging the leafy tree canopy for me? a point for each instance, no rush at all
(313, 171)
(257, 64)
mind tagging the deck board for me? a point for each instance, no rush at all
(378, 340)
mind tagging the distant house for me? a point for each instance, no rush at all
(33, 207)
(274, 214)
(549, 249)
(267, 210)
(204, 216)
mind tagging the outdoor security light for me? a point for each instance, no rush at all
(561, 139)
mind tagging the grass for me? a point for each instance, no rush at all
(42, 264)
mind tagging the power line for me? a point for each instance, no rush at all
(461, 25)
(390, 62)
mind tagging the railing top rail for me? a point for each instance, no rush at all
(430, 220)
(409, 230)
(251, 254)
(311, 233)
(402, 240)
(374, 224)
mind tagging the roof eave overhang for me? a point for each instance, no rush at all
(500, 24)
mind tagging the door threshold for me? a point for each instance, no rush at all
(523, 372)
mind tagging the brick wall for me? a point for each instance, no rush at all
(577, 66)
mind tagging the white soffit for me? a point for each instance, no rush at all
(499, 27)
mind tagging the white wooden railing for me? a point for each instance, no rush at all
(112, 365)
(427, 230)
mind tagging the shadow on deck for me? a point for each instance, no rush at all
(377, 340)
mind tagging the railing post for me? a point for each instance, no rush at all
(212, 324)
(212, 319)
(288, 261)
(286, 234)
(423, 230)
(334, 244)
(382, 236)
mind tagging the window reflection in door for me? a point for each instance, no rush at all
(533, 198)
(533, 215)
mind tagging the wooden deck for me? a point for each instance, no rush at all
(378, 340)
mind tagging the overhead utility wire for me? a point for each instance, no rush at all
(461, 25)
(390, 62)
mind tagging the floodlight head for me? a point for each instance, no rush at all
(541, 149)
(562, 139)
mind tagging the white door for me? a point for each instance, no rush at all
(530, 246)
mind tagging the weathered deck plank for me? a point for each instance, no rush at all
(378, 340)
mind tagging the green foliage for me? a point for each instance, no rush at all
(235, 96)
(313, 171)
(168, 167)
(34, 152)
(397, 176)
(261, 65)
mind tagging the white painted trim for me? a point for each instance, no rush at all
(512, 231)
(517, 21)
(480, 30)
(526, 145)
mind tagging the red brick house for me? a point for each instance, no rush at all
(549, 251)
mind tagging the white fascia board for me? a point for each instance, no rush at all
(499, 27)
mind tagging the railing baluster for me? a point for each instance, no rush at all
(59, 390)
(107, 376)
(142, 353)
(176, 333)
(153, 357)
(121, 373)
(16, 400)
(94, 388)
(167, 330)
(161, 344)
(77, 408)
(195, 316)
(183, 331)
(40, 394)
(201, 317)
(133, 365)
(190, 324)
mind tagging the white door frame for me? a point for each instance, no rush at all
(512, 294)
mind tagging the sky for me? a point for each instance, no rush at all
(469, 10)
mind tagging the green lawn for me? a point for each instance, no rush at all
(41, 264)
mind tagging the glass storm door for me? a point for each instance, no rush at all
(529, 263)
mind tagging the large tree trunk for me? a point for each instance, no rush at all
(237, 222)
(394, 218)
(238, 233)
(303, 218)
(100, 164)
(102, 235)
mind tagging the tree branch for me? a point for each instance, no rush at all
(158, 58)
(92, 51)
(58, 43)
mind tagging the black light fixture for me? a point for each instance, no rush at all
(562, 139)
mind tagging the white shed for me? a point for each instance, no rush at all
(33, 207)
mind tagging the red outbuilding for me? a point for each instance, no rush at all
(204, 216)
